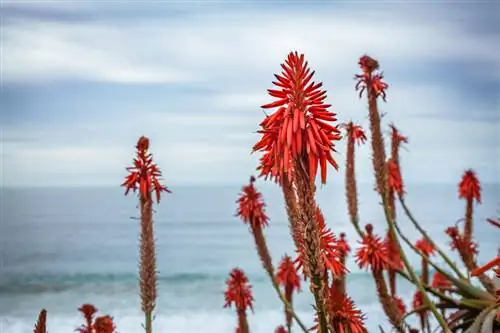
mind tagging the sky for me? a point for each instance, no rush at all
(82, 80)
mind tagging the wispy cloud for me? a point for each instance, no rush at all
(222, 63)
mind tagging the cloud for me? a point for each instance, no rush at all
(227, 45)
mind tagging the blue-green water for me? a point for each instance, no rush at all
(64, 247)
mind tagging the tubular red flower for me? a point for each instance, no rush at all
(439, 281)
(287, 275)
(490, 265)
(394, 180)
(328, 248)
(238, 291)
(280, 329)
(469, 187)
(251, 207)
(372, 252)
(425, 247)
(418, 301)
(342, 245)
(300, 128)
(355, 132)
(144, 174)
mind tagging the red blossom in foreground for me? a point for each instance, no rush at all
(342, 245)
(495, 263)
(439, 281)
(251, 206)
(394, 180)
(238, 291)
(328, 248)
(287, 275)
(343, 314)
(144, 174)
(469, 187)
(280, 329)
(425, 247)
(41, 324)
(372, 252)
(300, 128)
(368, 80)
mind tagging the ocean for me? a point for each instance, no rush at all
(62, 247)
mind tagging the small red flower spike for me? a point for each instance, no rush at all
(356, 132)
(88, 311)
(238, 291)
(369, 79)
(41, 324)
(104, 324)
(301, 127)
(469, 187)
(458, 242)
(394, 180)
(287, 275)
(280, 329)
(396, 137)
(425, 247)
(251, 207)
(342, 245)
(439, 281)
(372, 252)
(144, 174)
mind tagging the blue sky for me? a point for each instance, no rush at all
(82, 80)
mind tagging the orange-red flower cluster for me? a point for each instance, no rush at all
(251, 207)
(238, 291)
(356, 132)
(469, 187)
(102, 324)
(144, 174)
(458, 242)
(439, 281)
(394, 180)
(280, 329)
(368, 80)
(300, 128)
(287, 276)
(372, 252)
(425, 247)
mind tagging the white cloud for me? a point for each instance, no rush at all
(223, 46)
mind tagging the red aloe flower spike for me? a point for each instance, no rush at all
(469, 187)
(368, 79)
(343, 314)
(394, 180)
(104, 324)
(88, 311)
(440, 282)
(400, 305)
(251, 207)
(280, 329)
(342, 245)
(41, 324)
(144, 174)
(299, 129)
(328, 248)
(372, 252)
(425, 247)
(288, 278)
(238, 291)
